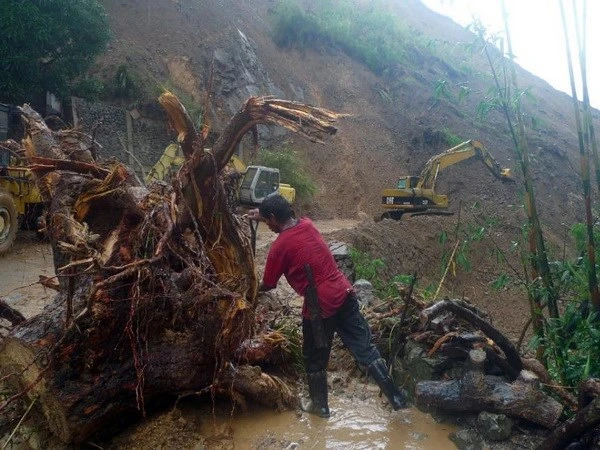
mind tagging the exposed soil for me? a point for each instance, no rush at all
(172, 41)
(361, 419)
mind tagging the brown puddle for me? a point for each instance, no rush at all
(360, 419)
(353, 425)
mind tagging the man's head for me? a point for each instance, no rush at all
(276, 211)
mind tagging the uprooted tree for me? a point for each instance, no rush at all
(157, 287)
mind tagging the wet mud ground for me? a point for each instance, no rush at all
(361, 419)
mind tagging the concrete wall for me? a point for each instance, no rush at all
(142, 143)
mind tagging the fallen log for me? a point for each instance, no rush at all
(476, 392)
(585, 420)
(157, 286)
(512, 365)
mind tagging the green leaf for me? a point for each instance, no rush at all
(46, 45)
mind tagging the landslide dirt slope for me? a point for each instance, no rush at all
(394, 121)
(394, 125)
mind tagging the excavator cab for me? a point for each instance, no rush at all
(259, 182)
(408, 182)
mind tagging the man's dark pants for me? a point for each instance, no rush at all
(351, 327)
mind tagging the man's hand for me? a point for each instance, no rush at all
(254, 214)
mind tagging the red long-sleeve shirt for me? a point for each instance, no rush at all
(303, 244)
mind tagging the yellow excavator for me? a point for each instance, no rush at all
(258, 182)
(416, 194)
(20, 199)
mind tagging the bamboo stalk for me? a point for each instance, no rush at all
(530, 204)
(585, 134)
(450, 261)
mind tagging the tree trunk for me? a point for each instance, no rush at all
(157, 284)
(476, 392)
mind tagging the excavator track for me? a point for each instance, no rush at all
(431, 213)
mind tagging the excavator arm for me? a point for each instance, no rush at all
(169, 161)
(462, 152)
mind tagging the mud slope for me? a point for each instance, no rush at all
(174, 42)
(393, 129)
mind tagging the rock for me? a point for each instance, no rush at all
(364, 291)
(422, 367)
(466, 440)
(341, 254)
(495, 427)
(419, 436)
(240, 74)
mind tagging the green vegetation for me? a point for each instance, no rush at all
(442, 90)
(454, 93)
(88, 88)
(126, 83)
(290, 169)
(370, 33)
(452, 139)
(367, 268)
(46, 45)
(293, 342)
(571, 341)
(571, 346)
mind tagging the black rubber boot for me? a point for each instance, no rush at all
(317, 390)
(378, 370)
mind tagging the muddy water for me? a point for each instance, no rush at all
(360, 420)
(353, 425)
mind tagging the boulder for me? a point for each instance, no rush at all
(365, 292)
(494, 427)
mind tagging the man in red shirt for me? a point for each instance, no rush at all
(299, 244)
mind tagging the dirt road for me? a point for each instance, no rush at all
(20, 271)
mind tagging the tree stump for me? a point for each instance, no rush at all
(157, 284)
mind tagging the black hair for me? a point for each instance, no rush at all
(278, 206)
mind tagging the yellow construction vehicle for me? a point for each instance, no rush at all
(416, 195)
(20, 199)
(258, 182)
(169, 161)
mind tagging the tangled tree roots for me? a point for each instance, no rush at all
(157, 285)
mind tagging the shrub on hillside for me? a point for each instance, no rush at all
(290, 169)
(369, 33)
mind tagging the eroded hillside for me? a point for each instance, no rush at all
(394, 119)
